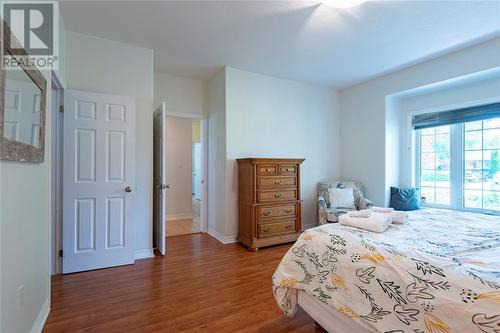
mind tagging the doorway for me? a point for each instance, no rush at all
(183, 156)
(180, 171)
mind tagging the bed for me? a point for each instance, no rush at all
(440, 272)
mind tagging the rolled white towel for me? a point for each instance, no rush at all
(360, 213)
(376, 222)
(381, 209)
(399, 217)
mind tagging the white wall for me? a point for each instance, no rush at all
(24, 248)
(475, 89)
(216, 98)
(61, 71)
(392, 146)
(270, 117)
(181, 95)
(27, 185)
(478, 86)
(179, 167)
(364, 120)
(105, 66)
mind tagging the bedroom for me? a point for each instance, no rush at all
(336, 87)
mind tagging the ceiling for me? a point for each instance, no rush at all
(298, 40)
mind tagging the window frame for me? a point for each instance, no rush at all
(418, 169)
(457, 168)
(479, 210)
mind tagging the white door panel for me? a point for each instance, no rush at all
(160, 179)
(99, 163)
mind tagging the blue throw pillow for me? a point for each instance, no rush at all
(405, 198)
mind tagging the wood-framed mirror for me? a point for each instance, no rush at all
(23, 94)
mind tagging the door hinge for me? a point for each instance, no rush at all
(61, 108)
(60, 253)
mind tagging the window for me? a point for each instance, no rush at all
(481, 166)
(458, 165)
(435, 165)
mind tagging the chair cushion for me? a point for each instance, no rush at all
(405, 198)
(325, 185)
(332, 214)
(341, 197)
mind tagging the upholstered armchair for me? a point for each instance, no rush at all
(330, 214)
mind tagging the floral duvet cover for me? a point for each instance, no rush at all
(440, 272)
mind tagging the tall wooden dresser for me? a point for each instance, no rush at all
(268, 201)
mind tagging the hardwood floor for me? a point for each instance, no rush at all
(199, 286)
(183, 226)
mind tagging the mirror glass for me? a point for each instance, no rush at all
(21, 108)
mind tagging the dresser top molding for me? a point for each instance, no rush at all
(257, 160)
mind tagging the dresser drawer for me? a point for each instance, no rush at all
(267, 170)
(276, 182)
(278, 195)
(288, 169)
(275, 211)
(278, 228)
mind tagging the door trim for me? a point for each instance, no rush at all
(56, 141)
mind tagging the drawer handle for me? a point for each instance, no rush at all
(288, 211)
(267, 229)
(278, 195)
(289, 227)
(288, 169)
(278, 181)
(266, 213)
(268, 169)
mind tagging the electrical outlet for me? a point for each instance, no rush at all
(20, 295)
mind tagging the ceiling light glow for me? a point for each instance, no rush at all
(343, 3)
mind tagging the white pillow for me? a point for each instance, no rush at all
(341, 197)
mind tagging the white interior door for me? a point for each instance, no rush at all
(160, 179)
(98, 180)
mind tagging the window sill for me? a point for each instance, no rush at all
(470, 210)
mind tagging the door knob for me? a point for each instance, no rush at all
(128, 189)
